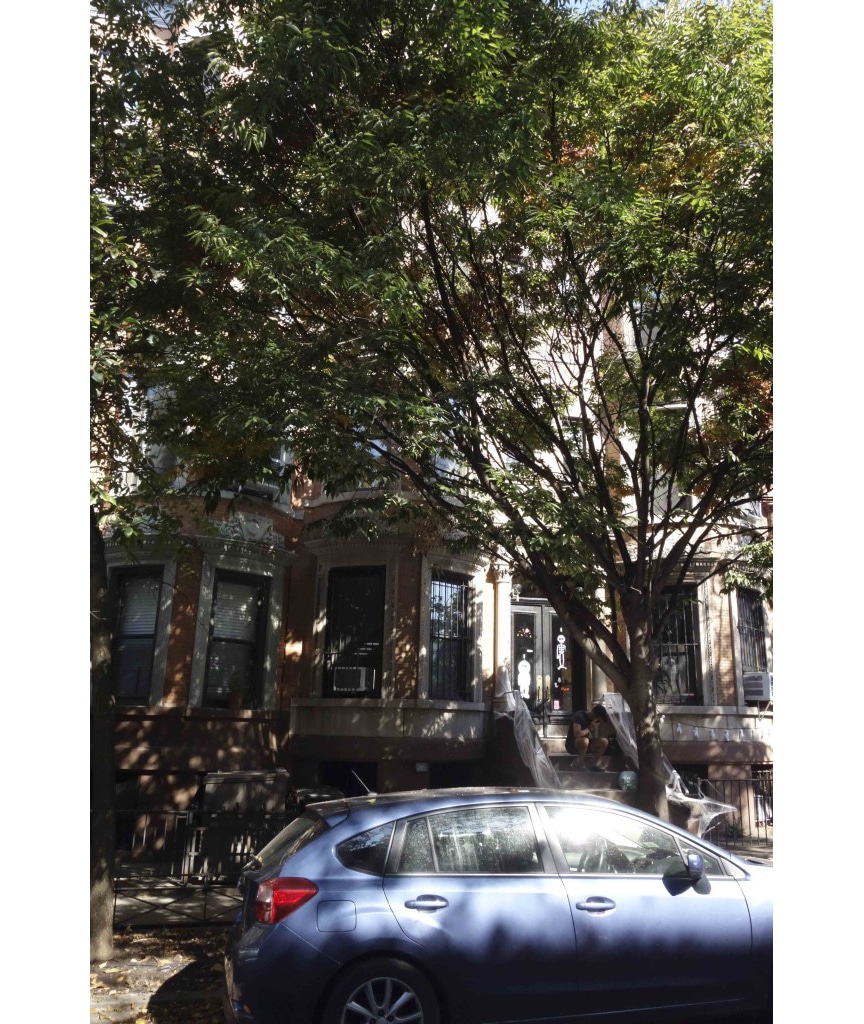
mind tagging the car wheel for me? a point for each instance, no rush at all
(385, 991)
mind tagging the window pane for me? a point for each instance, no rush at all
(235, 613)
(228, 669)
(235, 653)
(606, 843)
(132, 663)
(417, 851)
(139, 605)
(368, 851)
(355, 630)
(135, 634)
(488, 840)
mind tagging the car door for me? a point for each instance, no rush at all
(470, 886)
(644, 937)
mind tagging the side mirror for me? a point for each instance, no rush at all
(695, 866)
(680, 877)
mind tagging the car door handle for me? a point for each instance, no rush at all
(427, 903)
(596, 904)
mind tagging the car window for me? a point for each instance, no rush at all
(472, 840)
(417, 848)
(291, 840)
(368, 850)
(605, 842)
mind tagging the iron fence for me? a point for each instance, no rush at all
(182, 867)
(191, 846)
(752, 821)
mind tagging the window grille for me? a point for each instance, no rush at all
(354, 641)
(449, 637)
(751, 628)
(678, 673)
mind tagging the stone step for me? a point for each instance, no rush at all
(588, 780)
(568, 763)
(618, 795)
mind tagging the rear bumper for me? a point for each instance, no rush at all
(268, 981)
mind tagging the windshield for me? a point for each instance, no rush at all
(291, 840)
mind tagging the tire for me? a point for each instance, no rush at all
(385, 990)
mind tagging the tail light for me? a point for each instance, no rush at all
(280, 897)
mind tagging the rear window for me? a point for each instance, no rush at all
(367, 851)
(291, 840)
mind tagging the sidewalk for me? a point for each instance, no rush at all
(165, 976)
(171, 903)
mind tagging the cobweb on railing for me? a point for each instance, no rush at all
(510, 703)
(702, 808)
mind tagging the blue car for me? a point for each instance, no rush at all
(474, 906)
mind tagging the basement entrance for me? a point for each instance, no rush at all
(548, 665)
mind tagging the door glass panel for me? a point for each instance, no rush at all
(562, 676)
(526, 654)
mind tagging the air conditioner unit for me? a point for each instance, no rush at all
(347, 679)
(758, 686)
(259, 489)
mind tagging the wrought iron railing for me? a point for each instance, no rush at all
(752, 822)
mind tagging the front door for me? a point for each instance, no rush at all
(548, 666)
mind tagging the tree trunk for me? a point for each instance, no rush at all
(101, 755)
(652, 774)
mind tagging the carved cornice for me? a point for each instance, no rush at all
(249, 536)
(252, 529)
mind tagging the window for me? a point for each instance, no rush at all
(449, 637)
(291, 840)
(368, 851)
(355, 631)
(137, 603)
(678, 673)
(473, 840)
(235, 651)
(594, 842)
(751, 628)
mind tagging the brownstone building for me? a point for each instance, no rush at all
(266, 644)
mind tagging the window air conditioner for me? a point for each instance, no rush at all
(259, 489)
(758, 686)
(347, 679)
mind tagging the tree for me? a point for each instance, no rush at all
(515, 256)
(154, 306)
(524, 262)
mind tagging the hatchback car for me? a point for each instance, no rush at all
(490, 905)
